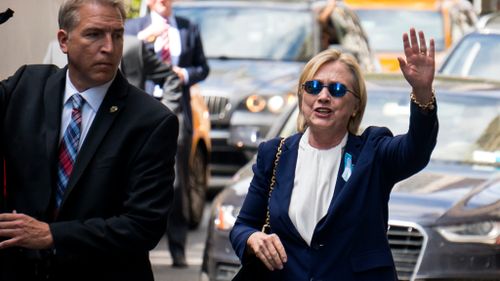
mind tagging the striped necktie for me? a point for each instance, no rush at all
(165, 50)
(69, 147)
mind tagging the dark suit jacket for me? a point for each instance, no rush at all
(192, 56)
(115, 208)
(350, 242)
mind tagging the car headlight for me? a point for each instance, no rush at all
(487, 232)
(273, 104)
(255, 103)
(225, 217)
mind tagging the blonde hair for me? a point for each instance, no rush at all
(358, 84)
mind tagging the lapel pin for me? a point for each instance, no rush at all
(113, 109)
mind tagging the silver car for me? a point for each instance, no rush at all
(475, 56)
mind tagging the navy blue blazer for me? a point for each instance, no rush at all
(192, 56)
(350, 242)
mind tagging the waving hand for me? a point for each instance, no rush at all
(419, 65)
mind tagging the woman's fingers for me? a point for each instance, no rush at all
(423, 45)
(269, 249)
(277, 255)
(406, 45)
(432, 48)
(414, 42)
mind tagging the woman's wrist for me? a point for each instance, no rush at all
(428, 104)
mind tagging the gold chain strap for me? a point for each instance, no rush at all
(266, 228)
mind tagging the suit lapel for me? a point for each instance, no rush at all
(184, 37)
(112, 105)
(284, 183)
(53, 99)
(342, 187)
(352, 148)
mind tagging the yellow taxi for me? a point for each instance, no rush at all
(386, 20)
(201, 147)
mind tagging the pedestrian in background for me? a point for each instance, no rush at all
(177, 41)
(89, 159)
(329, 206)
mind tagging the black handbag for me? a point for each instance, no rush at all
(254, 269)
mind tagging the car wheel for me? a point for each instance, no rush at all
(197, 177)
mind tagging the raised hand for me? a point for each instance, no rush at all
(419, 66)
(150, 33)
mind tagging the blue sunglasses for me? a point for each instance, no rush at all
(336, 89)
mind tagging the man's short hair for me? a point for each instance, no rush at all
(69, 16)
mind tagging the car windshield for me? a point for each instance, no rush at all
(468, 125)
(476, 56)
(383, 30)
(253, 33)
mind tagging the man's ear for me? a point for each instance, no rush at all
(63, 37)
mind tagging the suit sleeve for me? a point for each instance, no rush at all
(155, 69)
(253, 212)
(6, 87)
(407, 154)
(142, 220)
(161, 73)
(198, 68)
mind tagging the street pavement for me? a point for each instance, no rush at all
(162, 261)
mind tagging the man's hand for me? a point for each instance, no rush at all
(268, 248)
(24, 231)
(150, 33)
(179, 73)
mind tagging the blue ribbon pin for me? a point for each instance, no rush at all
(347, 166)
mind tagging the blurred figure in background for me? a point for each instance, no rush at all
(178, 42)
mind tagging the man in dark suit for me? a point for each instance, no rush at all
(89, 159)
(185, 52)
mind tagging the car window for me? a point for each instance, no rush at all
(476, 56)
(253, 33)
(383, 28)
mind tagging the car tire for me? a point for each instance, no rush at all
(198, 181)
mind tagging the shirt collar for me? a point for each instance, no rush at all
(304, 141)
(155, 17)
(92, 96)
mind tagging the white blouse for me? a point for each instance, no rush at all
(315, 177)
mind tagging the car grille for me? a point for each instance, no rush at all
(406, 243)
(216, 105)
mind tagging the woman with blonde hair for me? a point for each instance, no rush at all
(328, 206)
